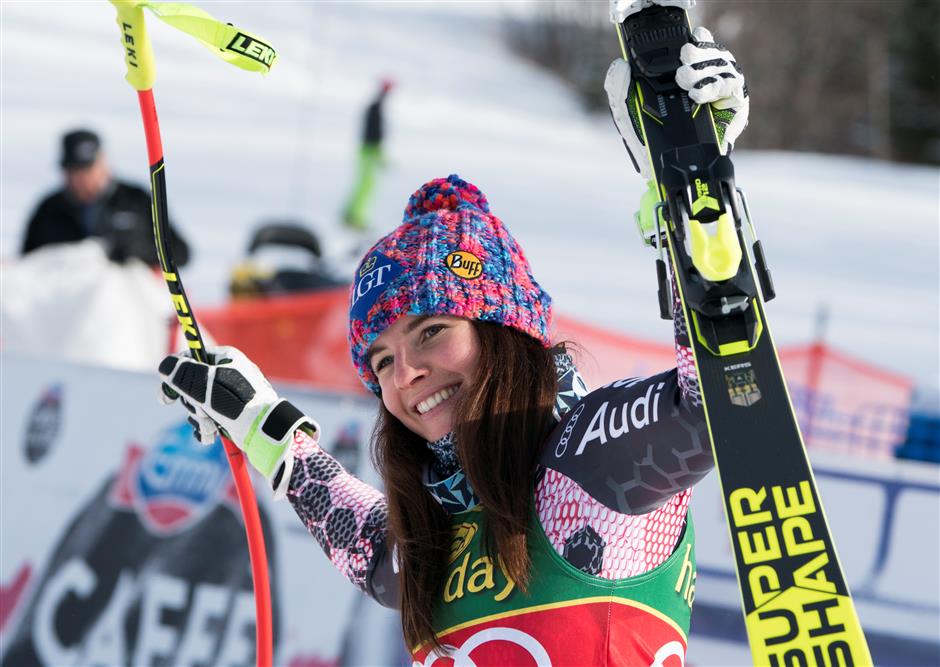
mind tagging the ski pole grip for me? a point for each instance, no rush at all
(138, 54)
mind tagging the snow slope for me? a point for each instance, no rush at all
(856, 236)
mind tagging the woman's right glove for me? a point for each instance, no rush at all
(233, 395)
(708, 73)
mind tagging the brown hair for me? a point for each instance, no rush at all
(500, 425)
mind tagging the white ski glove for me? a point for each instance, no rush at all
(621, 9)
(233, 395)
(710, 75)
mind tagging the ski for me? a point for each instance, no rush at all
(796, 603)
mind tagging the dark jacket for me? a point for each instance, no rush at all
(121, 217)
(373, 129)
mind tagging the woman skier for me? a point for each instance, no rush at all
(522, 518)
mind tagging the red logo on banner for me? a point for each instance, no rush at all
(175, 483)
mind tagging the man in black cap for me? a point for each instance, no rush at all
(94, 204)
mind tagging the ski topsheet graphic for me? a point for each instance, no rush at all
(797, 606)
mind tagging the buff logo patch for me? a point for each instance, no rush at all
(464, 264)
(373, 277)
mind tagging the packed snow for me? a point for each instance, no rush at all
(854, 236)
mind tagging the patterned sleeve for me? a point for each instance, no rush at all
(346, 516)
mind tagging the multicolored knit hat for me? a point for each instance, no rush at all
(449, 256)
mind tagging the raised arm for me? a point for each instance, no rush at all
(346, 516)
(615, 485)
(636, 443)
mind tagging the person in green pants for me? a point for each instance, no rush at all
(370, 160)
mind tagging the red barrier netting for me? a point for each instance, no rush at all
(298, 338)
(842, 403)
(845, 404)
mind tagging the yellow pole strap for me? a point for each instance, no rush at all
(234, 45)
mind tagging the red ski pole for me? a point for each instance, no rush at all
(140, 74)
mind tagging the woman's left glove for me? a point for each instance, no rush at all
(233, 395)
(708, 73)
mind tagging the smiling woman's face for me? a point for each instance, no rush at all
(422, 364)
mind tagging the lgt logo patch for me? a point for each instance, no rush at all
(375, 274)
(367, 265)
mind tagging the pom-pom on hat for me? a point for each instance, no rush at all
(449, 256)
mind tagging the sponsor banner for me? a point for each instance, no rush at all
(844, 404)
(123, 543)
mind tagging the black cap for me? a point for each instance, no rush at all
(79, 149)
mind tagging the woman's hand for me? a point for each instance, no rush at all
(710, 75)
(233, 395)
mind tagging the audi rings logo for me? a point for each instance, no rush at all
(569, 427)
(461, 655)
